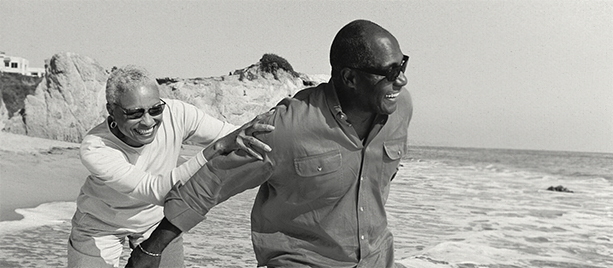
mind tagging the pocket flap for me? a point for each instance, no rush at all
(318, 164)
(394, 149)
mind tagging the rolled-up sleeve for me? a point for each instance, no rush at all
(187, 204)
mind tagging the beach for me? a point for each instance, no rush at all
(447, 208)
(35, 171)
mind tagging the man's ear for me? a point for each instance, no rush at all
(348, 77)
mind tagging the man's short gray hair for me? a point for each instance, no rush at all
(124, 79)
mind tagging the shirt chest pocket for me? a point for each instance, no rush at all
(394, 151)
(318, 177)
(318, 165)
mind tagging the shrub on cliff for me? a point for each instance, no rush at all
(15, 88)
(270, 63)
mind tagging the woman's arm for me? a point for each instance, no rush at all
(111, 163)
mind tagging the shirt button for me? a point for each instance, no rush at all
(361, 208)
(362, 178)
(362, 237)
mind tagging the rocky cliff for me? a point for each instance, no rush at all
(70, 99)
(241, 95)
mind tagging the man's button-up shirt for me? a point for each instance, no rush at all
(322, 190)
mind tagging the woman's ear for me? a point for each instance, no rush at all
(109, 108)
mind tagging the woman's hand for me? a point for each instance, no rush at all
(246, 139)
(243, 138)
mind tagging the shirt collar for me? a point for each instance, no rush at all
(334, 104)
(337, 110)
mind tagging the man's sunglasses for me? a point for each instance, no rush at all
(139, 112)
(392, 73)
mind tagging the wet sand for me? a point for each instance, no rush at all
(35, 171)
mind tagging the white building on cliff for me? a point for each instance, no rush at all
(12, 64)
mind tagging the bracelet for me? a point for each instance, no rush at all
(157, 255)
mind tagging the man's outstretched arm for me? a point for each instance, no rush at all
(186, 205)
(149, 252)
(224, 176)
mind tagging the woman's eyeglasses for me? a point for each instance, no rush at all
(392, 73)
(137, 113)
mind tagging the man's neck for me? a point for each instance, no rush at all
(361, 122)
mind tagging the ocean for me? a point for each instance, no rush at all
(448, 207)
(462, 207)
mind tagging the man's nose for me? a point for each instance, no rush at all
(401, 80)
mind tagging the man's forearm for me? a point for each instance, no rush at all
(161, 237)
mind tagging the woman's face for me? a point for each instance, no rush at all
(138, 131)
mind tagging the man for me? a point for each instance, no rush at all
(323, 188)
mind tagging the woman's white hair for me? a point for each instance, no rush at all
(124, 79)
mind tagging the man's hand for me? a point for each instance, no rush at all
(139, 259)
(243, 138)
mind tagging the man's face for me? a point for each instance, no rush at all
(137, 130)
(375, 92)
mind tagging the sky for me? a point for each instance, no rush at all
(535, 75)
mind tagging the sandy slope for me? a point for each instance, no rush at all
(35, 171)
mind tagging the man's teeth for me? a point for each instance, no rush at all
(392, 95)
(145, 131)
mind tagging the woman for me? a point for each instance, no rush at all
(132, 159)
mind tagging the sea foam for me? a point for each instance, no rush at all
(45, 214)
